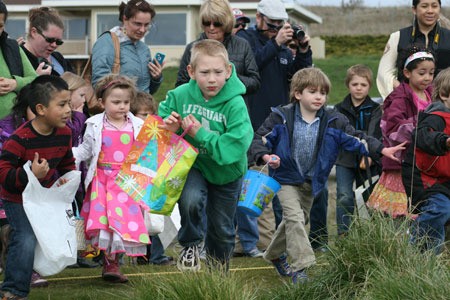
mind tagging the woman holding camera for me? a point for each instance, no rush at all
(45, 35)
(135, 58)
(217, 22)
(425, 32)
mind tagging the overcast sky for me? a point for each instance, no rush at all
(445, 3)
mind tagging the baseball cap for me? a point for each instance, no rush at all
(239, 15)
(273, 9)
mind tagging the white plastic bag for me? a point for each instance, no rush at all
(49, 211)
(154, 223)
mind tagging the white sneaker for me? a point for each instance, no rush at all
(189, 259)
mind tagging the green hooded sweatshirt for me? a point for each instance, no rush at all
(226, 132)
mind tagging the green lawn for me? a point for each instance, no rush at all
(335, 67)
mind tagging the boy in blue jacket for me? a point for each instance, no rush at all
(301, 142)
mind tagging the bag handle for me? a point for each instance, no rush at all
(184, 132)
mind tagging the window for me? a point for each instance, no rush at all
(106, 22)
(76, 29)
(16, 28)
(168, 29)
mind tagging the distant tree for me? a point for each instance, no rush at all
(351, 4)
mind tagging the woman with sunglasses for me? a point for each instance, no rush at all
(425, 32)
(217, 22)
(135, 57)
(45, 34)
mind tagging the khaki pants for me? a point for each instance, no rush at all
(291, 237)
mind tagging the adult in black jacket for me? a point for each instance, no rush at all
(217, 22)
(425, 32)
(45, 35)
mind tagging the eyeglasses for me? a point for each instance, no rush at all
(208, 23)
(237, 25)
(272, 27)
(49, 39)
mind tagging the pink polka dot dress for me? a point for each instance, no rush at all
(114, 221)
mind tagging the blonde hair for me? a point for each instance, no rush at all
(73, 81)
(309, 77)
(441, 85)
(107, 83)
(218, 11)
(210, 48)
(361, 71)
(143, 100)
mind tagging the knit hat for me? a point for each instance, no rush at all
(239, 15)
(273, 9)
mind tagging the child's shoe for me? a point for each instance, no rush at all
(189, 259)
(282, 266)
(299, 277)
(111, 270)
(37, 280)
(9, 296)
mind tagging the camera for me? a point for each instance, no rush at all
(299, 33)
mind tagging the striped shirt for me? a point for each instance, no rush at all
(304, 143)
(56, 148)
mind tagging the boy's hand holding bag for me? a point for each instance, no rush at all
(49, 211)
(156, 167)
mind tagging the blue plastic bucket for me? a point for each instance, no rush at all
(257, 191)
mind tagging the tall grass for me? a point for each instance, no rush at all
(375, 261)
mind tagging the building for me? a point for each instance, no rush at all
(175, 25)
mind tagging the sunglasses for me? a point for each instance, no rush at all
(237, 25)
(208, 23)
(272, 27)
(49, 39)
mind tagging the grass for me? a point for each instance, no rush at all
(374, 261)
(335, 67)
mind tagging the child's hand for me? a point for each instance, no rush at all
(172, 122)
(362, 163)
(390, 152)
(62, 181)
(272, 160)
(39, 167)
(191, 124)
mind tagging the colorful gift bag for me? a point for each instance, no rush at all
(156, 167)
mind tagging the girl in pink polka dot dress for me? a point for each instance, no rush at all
(114, 221)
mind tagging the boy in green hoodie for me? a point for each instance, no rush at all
(211, 109)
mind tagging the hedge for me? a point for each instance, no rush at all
(355, 45)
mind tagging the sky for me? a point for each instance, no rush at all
(372, 3)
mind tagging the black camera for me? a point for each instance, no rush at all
(299, 33)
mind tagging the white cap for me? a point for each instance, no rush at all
(273, 9)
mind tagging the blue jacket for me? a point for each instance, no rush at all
(276, 68)
(134, 58)
(335, 133)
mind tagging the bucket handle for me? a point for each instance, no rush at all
(265, 166)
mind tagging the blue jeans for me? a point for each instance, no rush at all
(157, 255)
(345, 198)
(20, 257)
(429, 228)
(247, 228)
(318, 233)
(221, 202)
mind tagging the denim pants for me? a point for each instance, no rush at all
(221, 202)
(247, 228)
(318, 233)
(157, 255)
(429, 227)
(291, 236)
(345, 198)
(20, 257)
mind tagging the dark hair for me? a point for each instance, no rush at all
(416, 2)
(413, 64)
(41, 17)
(42, 89)
(132, 7)
(19, 110)
(3, 10)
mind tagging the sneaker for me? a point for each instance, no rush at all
(202, 254)
(37, 280)
(299, 277)
(254, 253)
(189, 259)
(282, 266)
(9, 296)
